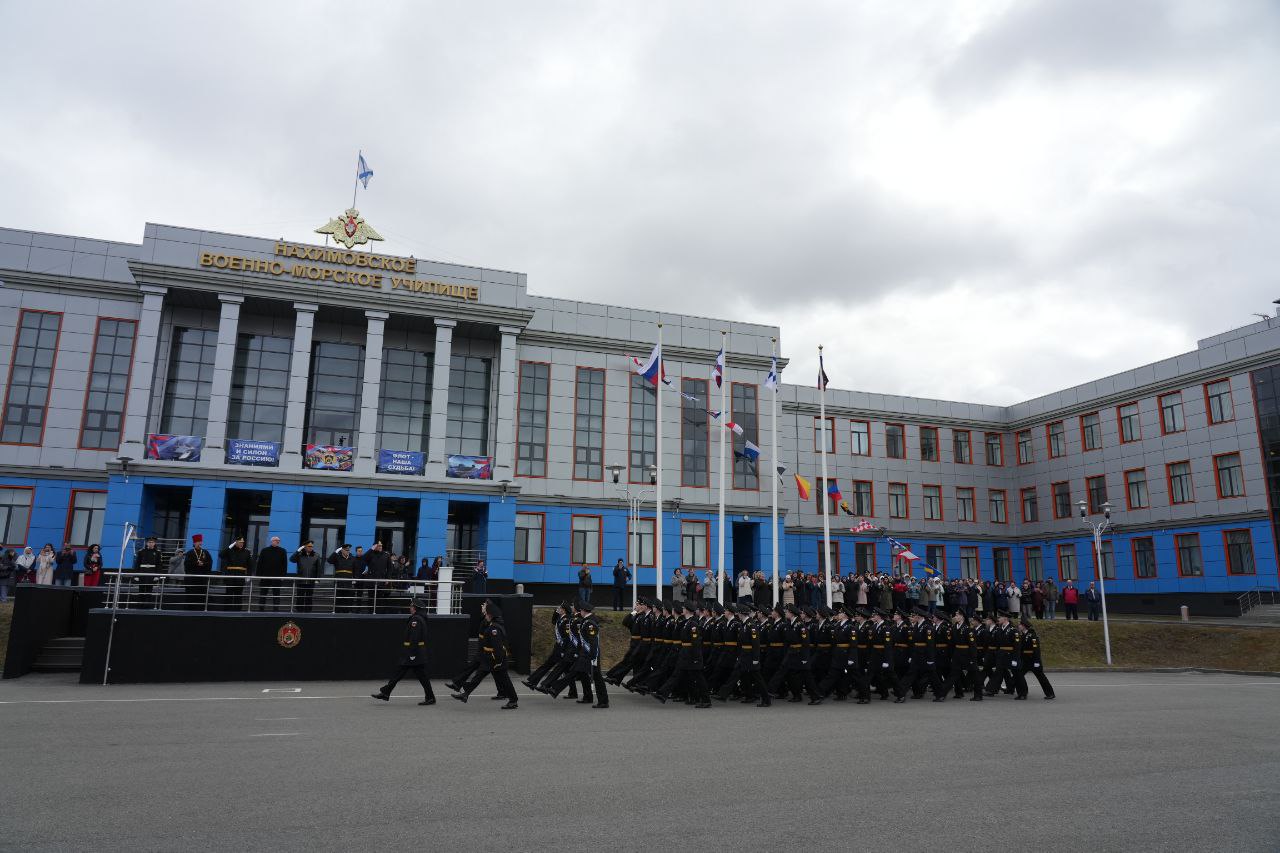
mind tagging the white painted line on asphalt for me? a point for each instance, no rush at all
(272, 719)
(276, 734)
(282, 690)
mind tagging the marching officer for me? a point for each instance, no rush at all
(966, 673)
(587, 665)
(493, 660)
(1030, 660)
(413, 658)
(881, 655)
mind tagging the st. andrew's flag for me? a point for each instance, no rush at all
(771, 381)
(363, 172)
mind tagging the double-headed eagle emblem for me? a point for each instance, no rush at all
(350, 229)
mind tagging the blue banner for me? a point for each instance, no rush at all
(470, 467)
(401, 462)
(245, 451)
(175, 448)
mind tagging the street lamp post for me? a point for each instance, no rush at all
(1098, 530)
(634, 500)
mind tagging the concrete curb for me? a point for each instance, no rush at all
(1168, 670)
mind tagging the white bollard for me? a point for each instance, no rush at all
(520, 590)
(1186, 613)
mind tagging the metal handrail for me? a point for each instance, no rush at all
(228, 592)
(1254, 598)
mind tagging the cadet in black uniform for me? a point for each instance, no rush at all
(413, 657)
(634, 622)
(880, 660)
(688, 675)
(838, 633)
(587, 666)
(1031, 659)
(902, 640)
(560, 614)
(493, 660)
(965, 670)
(236, 564)
(861, 674)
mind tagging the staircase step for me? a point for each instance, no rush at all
(66, 643)
(56, 667)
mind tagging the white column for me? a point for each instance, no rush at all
(215, 434)
(371, 395)
(145, 355)
(440, 390)
(504, 449)
(299, 368)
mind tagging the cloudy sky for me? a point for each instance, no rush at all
(982, 201)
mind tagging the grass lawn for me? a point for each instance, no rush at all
(1064, 644)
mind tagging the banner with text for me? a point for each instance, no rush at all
(245, 451)
(401, 462)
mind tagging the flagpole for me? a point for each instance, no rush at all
(773, 428)
(356, 188)
(658, 544)
(724, 415)
(826, 501)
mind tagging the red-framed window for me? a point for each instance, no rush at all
(993, 443)
(106, 396)
(859, 438)
(745, 410)
(1129, 423)
(15, 514)
(1061, 499)
(929, 451)
(899, 501)
(998, 506)
(1002, 564)
(966, 504)
(1056, 438)
(1135, 489)
(835, 556)
(695, 435)
(1178, 480)
(896, 562)
(936, 556)
(588, 424)
(1228, 475)
(961, 447)
(1068, 568)
(531, 537)
(30, 383)
(895, 441)
(1107, 559)
(1095, 489)
(1190, 558)
(533, 397)
(830, 436)
(86, 511)
(861, 498)
(1218, 403)
(1171, 415)
(586, 540)
(1030, 501)
(864, 556)
(1026, 448)
(1090, 432)
(694, 536)
(970, 562)
(641, 537)
(1033, 563)
(931, 501)
(1144, 558)
(1238, 545)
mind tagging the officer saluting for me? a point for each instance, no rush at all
(413, 658)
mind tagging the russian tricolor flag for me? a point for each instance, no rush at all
(652, 369)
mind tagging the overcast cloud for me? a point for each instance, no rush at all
(977, 201)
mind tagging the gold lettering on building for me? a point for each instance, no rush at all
(361, 276)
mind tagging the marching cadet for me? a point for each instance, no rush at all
(774, 635)
(1031, 660)
(746, 668)
(688, 675)
(965, 670)
(942, 648)
(559, 634)
(861, 674)
(634, 622)
(924, 663)
(652, 646)
(881, 657)
(566, 674)
(841, 658)
(903, 637)
(587, 666)
(987, 642)
(493, 660)
(1003, 638)
(413, 657)
(727, 629)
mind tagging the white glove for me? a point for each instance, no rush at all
(884, 666)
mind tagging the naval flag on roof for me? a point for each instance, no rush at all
(363, 172)
(717, 372)
(771, 381)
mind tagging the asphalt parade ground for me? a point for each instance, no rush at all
(1120, 761)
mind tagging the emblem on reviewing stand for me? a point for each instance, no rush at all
(289, 635)
(350, 229)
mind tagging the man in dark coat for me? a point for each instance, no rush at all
(493, 660)
(235, 563)
(413, 657)
(375, 566)
(197, 564)
(273, 562)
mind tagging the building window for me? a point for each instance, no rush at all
(1239, 552)
(693, 544)
(829, 437)
(1130, 427)
(1067, 570)
(961, 446)
(1107, 558)
(864, 557)
(1190, 560)
(860, 498)
(964, 504)
(1096, 492)
(931, 502)
(190, 379)
(1002, 562)
(1180, 490)
(1061, 500)
(467, 421)
(584, 544)
(530, 537)
(1030, 505)
(15, 515)
(969, 566)
(404, 417)
(35, 349)
(1135, 489)
(835, 557)
(898, 504)
(640, 549)
(260, 388)
(643, 446)
(895, 441)
(859, 438)
(1230, 475)
(1026, 454)
(695, 435)
(995, 448)
(1217, 399)
(531, 419)
(337, 382)
(84, 522)
(936, 556)
(1035, 564)
(928, 444)
(1057, 439)
(108, 391)
(997, 506)
(746, 414)
(1144, 557)
(1171, 413)
(1090, 432)
(588, 424)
